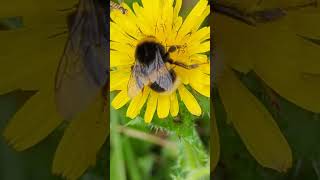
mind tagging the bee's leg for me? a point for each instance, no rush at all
(191, 66)
(173, 48)
(170, 50)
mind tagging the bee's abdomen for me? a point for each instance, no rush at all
(157, 88)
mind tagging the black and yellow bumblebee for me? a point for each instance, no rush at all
(150, 68)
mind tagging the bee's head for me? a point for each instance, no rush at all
(146, 50)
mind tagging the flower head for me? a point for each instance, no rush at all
(160, 20)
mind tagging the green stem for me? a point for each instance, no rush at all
(133, 169)
(117, 159)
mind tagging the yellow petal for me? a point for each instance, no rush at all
(127, 22)
(118, 35)
(163, 106)
(174, 105)
(120, 100)
(121, 47)
(255, 125)
(199, 36)
(281, 66)
(228, 33)
(34, 121)
(152, 9)
(177, 8)
(202, 89)
(119, 59)
(22, 70)
(199, 58)
(119, 79)
(199, 77)
(199, 48)
(200, 20)
(189, 100)
(82, 141)
(145, 94)
(151, 107)
(192, 19)
(137, 103)
(36, 9)
(301, 89)
(182, 73)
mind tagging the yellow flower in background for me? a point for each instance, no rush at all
(160, 20)
(278, 52)
(29, 60)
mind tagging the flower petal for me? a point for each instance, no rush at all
(177, 7)
(255, 125)
(202, 89)
(137, 103)
(163, 106)
(174, 105)
(192, 19)
(199, 36)
(151, 107)
(119, 59)
(82, 141)
(20, 71)
(34, 121)
(228, 49)
(189, 100)
(119, 79)
(199, 48)
(120, 100)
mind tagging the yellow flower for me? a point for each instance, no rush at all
(160, 19)
(277, 52)
(29, 60)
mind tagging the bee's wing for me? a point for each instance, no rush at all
(159, 73)
(137, 80)
(83, 67)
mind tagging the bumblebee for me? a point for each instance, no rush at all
(150, 68)
(82, 73)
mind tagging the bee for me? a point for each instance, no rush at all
(114, 5)
(150, 68)
(82, 72)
